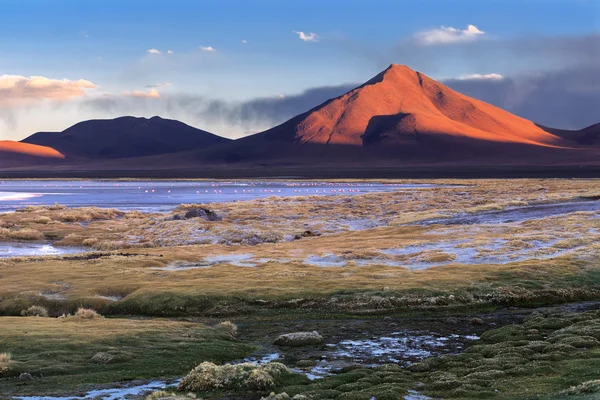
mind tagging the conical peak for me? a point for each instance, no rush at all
(394, 74)
(400, 68)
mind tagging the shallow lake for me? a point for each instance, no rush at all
(19, 249)
(163, 196)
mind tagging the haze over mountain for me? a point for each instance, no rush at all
(398, 118)
(125, 137)
(401, 116)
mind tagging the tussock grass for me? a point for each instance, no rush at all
(89, 242)
(87, 214)
(5, 362)
(42, 219)
(228, 327)
(35, 311)
(243, 377)
(25, 234)
(86, 313)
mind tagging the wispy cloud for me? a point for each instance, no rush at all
(244, 41)
(448, 35)
(16, 89)
(170, 52)
(493, 77)
(307, 37)
(153, 51)
(158, 85)
(208, 48)
(152, 94)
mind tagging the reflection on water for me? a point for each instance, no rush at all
(109, 394)
(35, 249)
(163, 196)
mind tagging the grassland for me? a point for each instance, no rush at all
(67, 354)
(279, 260)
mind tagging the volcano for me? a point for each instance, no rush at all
(399, 119)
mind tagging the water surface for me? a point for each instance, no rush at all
(163, 196)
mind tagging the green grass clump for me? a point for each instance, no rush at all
(243, 377)
(385, 382)
(545, 354)
(584, 388)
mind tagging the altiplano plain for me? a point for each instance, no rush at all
(392, 280)
(299, 200)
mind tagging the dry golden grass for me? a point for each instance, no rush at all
(42, 219)
(5, 361)
(228, 327)
(35, 311)
(86, 313)
(25, 234)
(268, 229)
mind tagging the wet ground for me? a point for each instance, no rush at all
(349, 343)
(361, 342)
(517, 214)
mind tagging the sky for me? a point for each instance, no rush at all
(235, 67)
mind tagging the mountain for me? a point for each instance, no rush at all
(16, 153)
(398, 114)
(589, 136)
(400, 119)
(125, 137)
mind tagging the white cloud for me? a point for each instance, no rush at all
(307, 37)
(158, 85)
(170, 52)
(446, 35)
(152, 94)
(16, 89)
(208, 48)
(480, 77)
(244, 41)
(153, 51)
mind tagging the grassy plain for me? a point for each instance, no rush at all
(302, 258)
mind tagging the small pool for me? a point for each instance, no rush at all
(19, 249)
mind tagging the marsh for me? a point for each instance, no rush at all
(398, 279)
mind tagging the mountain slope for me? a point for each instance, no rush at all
(400, 117)
(125, 137)
(589, 136)
(17, 153)
(400, 103)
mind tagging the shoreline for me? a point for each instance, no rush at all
(433, 172)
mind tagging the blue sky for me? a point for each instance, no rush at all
(106, 43)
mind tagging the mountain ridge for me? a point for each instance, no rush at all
(125, 137)
(397, 118)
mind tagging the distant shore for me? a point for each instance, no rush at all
(421, 172)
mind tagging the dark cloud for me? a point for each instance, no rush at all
(204, 112)
(568, 99)
(499, 55)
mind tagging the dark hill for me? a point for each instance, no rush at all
(125, 137)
